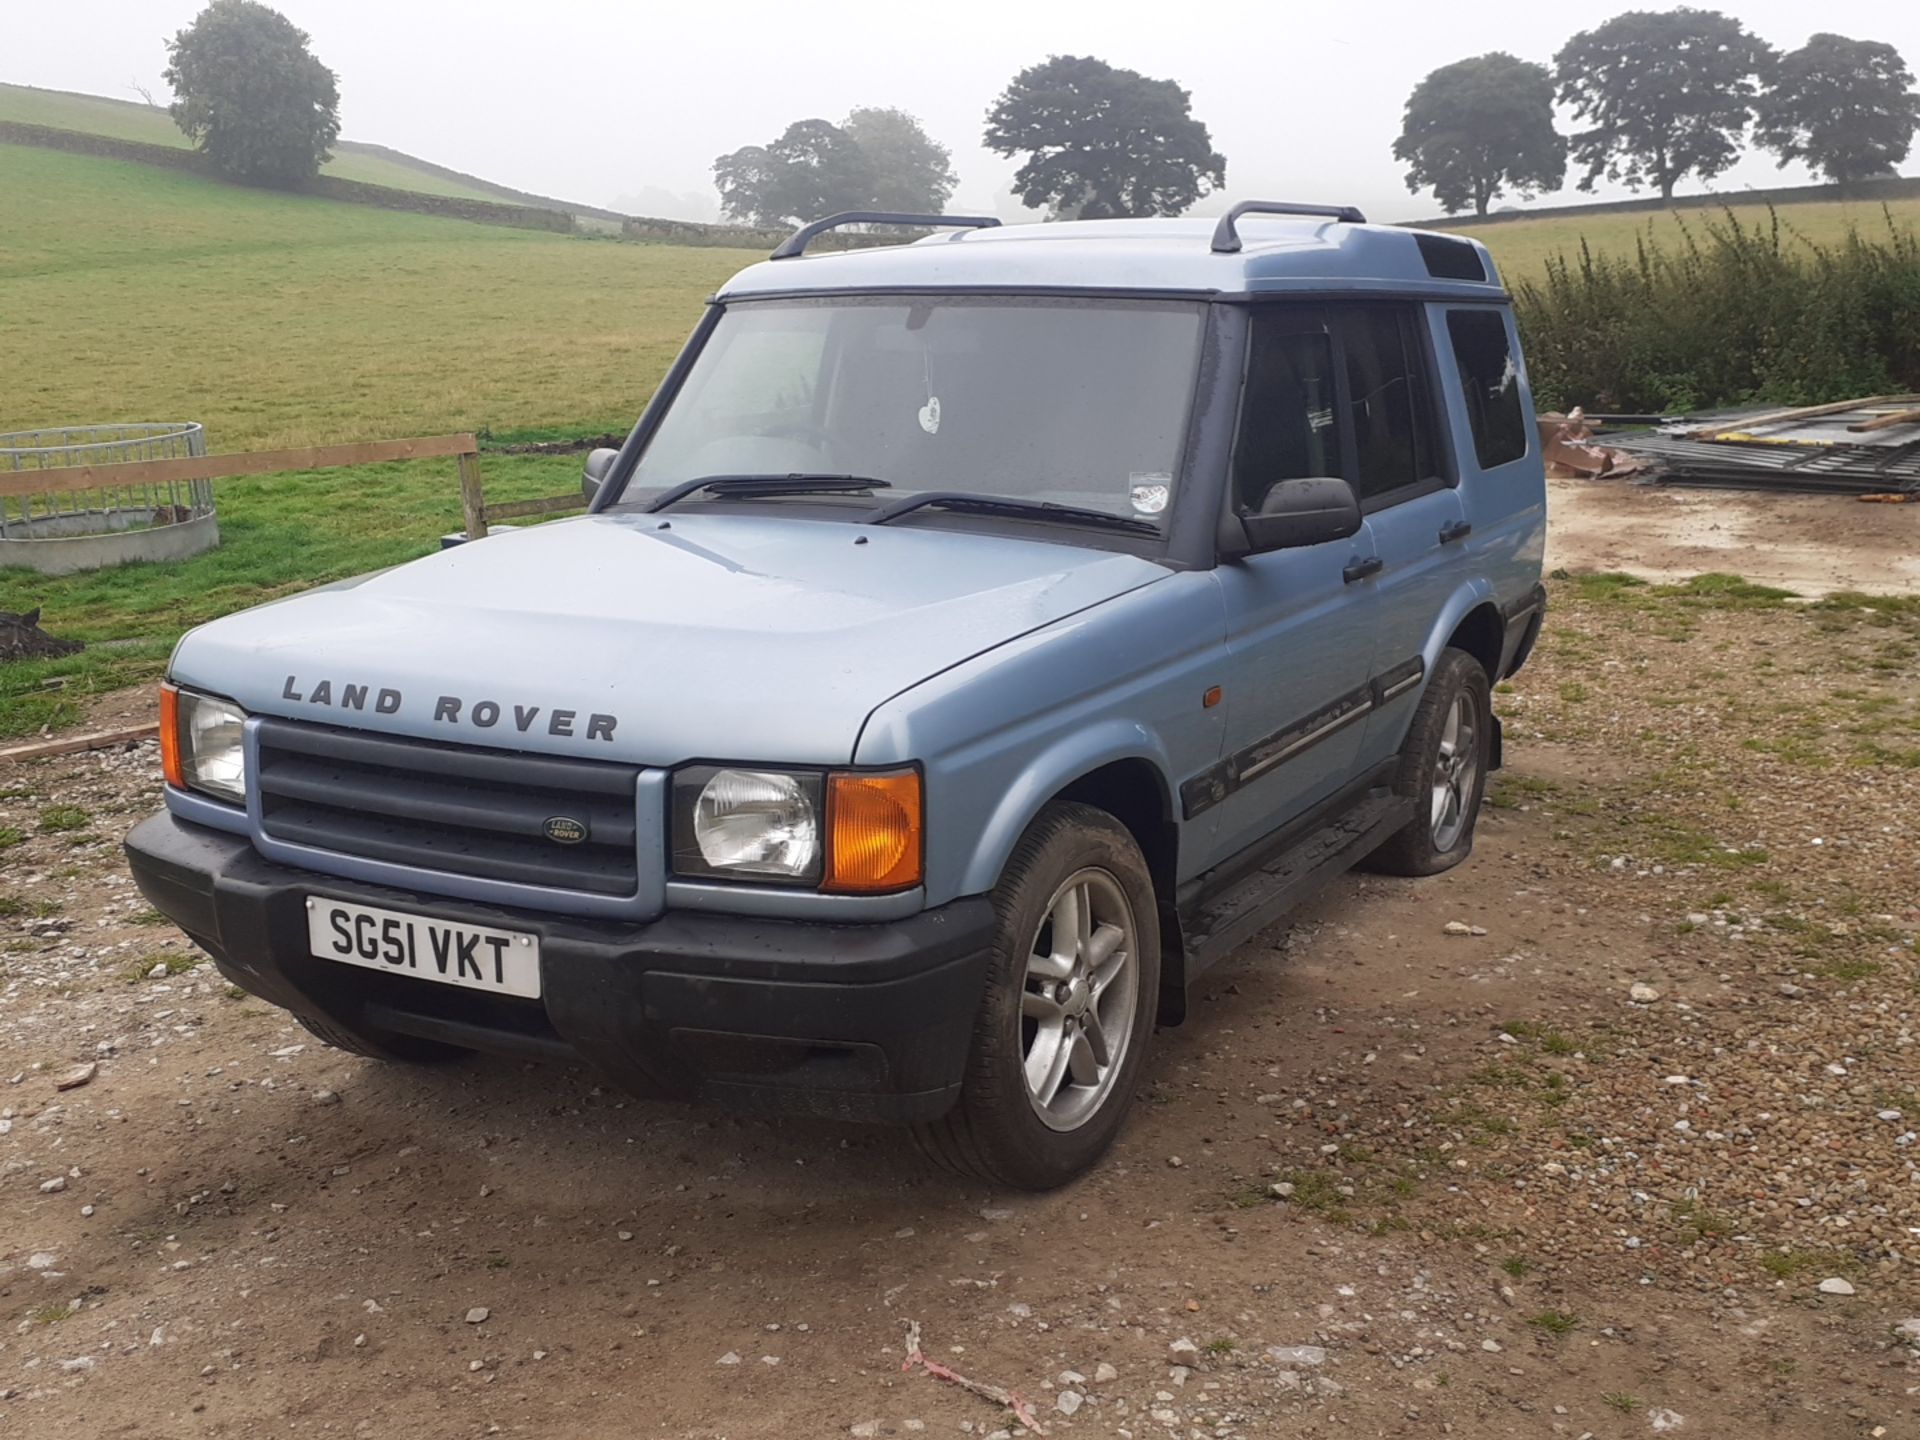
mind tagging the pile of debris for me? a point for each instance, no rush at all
(1869, 448)
(1571, 453)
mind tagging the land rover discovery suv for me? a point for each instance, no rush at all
(974, 640)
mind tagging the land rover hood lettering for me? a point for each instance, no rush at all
(751, 638)
(482, 714)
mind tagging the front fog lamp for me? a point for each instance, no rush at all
(747, 824)
(200, 744)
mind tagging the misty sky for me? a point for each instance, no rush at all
(601, 101)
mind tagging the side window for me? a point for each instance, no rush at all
(1289, 426)
(1388, 398)
(1491, 379)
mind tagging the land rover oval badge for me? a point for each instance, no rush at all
(565, 830)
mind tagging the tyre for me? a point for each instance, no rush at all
(1443, 770)
(404, 1049)
(1064, 1025)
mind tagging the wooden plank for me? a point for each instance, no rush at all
(552, 505)
(72, 744)
(1886, 422)
(473, 500)
(1781, 417)
(224, 467)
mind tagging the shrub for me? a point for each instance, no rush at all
(1733, 313)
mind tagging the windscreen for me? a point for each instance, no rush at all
(1073, 401)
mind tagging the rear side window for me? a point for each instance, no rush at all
(1451, 259)
(1387, 398)
(1490, 376)
(1289, 426)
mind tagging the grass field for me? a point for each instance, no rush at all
(102, 115)
(279, 535)
(138, 293)
(1522, 247)
(280, 320)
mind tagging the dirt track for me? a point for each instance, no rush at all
(1809, 543)
(258, 1235)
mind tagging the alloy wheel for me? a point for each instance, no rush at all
(1456, 770)
(1079, 998)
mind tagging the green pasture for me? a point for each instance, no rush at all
(1523, 246)
(120, 120)
(139, 293)
(279, 534)
(133, 293)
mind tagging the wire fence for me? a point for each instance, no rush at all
(106, 507)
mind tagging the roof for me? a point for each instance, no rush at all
(1279, 254)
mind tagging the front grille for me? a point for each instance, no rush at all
(454, 809)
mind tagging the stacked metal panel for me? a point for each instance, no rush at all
(1803, 451)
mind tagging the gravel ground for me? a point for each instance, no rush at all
(1610, 1132)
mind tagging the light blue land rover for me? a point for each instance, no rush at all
(974, 640)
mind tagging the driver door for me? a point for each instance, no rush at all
(1300, 633)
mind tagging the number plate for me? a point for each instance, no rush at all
(501, 962)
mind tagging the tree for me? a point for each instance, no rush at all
(819, 170)
(815, 169)
(251, 95)
(1667, 94)
(1846, 107)
(747, 179)
(911, 171)
(1100, 141)
(877, 159)
(1478, 127)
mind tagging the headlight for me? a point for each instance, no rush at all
(200, 744)
(747, 824)
(854, 832)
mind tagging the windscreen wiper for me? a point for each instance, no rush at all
(754, 487)
(1007, 505)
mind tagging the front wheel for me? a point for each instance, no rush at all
(1063, 1028)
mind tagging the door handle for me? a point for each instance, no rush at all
(1361, 569)
(1455, 530)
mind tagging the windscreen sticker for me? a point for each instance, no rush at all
(1150, 491)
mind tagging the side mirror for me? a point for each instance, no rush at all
(599, 464)
(1296, 513)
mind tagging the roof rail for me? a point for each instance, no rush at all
(796, 243)
(1226, 238)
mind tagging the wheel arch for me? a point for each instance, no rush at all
(1124, 774)
(1470, 621)
(1482, 634)
(1136, 794)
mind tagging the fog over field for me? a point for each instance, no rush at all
(622, 105)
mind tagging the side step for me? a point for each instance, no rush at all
(1221, 923)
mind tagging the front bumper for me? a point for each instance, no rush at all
(849, 1021)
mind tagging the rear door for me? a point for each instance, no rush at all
(1299, 636)
(1414, 513)
(1496, 448)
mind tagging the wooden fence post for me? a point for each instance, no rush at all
(472, 499)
